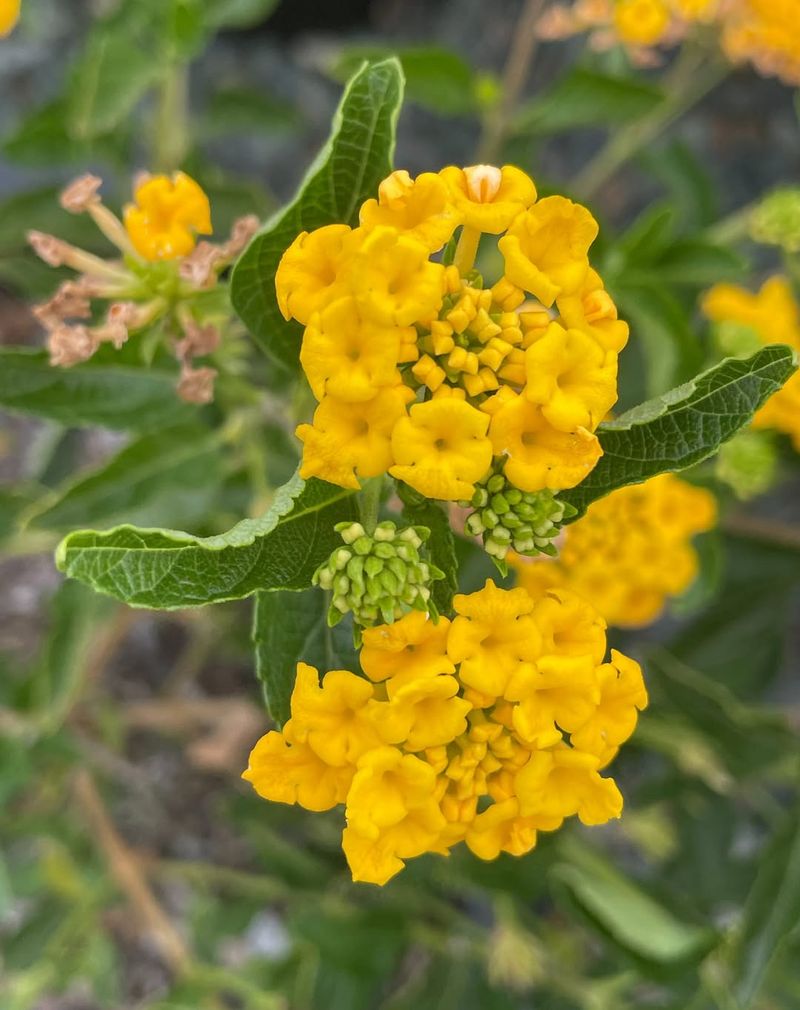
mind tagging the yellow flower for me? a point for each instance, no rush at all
(334, 719)
(572, 378)
(592, 309)
(392, 814)
(9, 15)
(767, 33)
(492, 636)
(641, 22)
(561, 694)
(287, 772)
(166, 215)
(622, 697)
(539, 455)
(441, 449)
(488, 198)
(307, 276)
(501, 829)
(563, 781)
(569, 625)
(348, 358)
(352, 438)
(546, 249)
(430, 707)
(773, 313)
(782, 411)
(421, 207)
(392, 279)
(407, 651)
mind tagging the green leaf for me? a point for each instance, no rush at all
(54, 683)
(697, 263)
(623, 911)
(346, 172)
(684, 426)
(108, 82)
(587, 98)
(112, 397)
(289, 628)
(436, 78)
(168, 569)
(421, 511)
(771, 914)
(172, 473)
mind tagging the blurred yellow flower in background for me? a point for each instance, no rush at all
(9, 15)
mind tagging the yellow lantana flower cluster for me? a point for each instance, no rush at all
(423, 372)
(483, 729)
(638, 25)
(744, 321)
(630, 552)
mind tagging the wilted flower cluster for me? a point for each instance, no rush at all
(743, 322)
(639, 25)
(630, 552)
(162, 277)
(423, 371)
(483, 729)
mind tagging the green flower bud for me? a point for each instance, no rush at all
(776, 220)
(747, 463)
(378, 577)
(526, 522)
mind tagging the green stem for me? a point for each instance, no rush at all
(171, 128)
(693, 77)
(370, 503)
(733, 228)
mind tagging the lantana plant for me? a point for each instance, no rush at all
(462, 353)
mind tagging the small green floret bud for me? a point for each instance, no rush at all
(507, 518)
(378, 577)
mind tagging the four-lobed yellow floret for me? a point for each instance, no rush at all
(423, 372)
(485, 729)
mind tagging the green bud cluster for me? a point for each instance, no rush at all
(378, 577)
(776, 220)
(748, 463)
(509, 519)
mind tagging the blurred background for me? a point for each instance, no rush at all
(136, 869)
